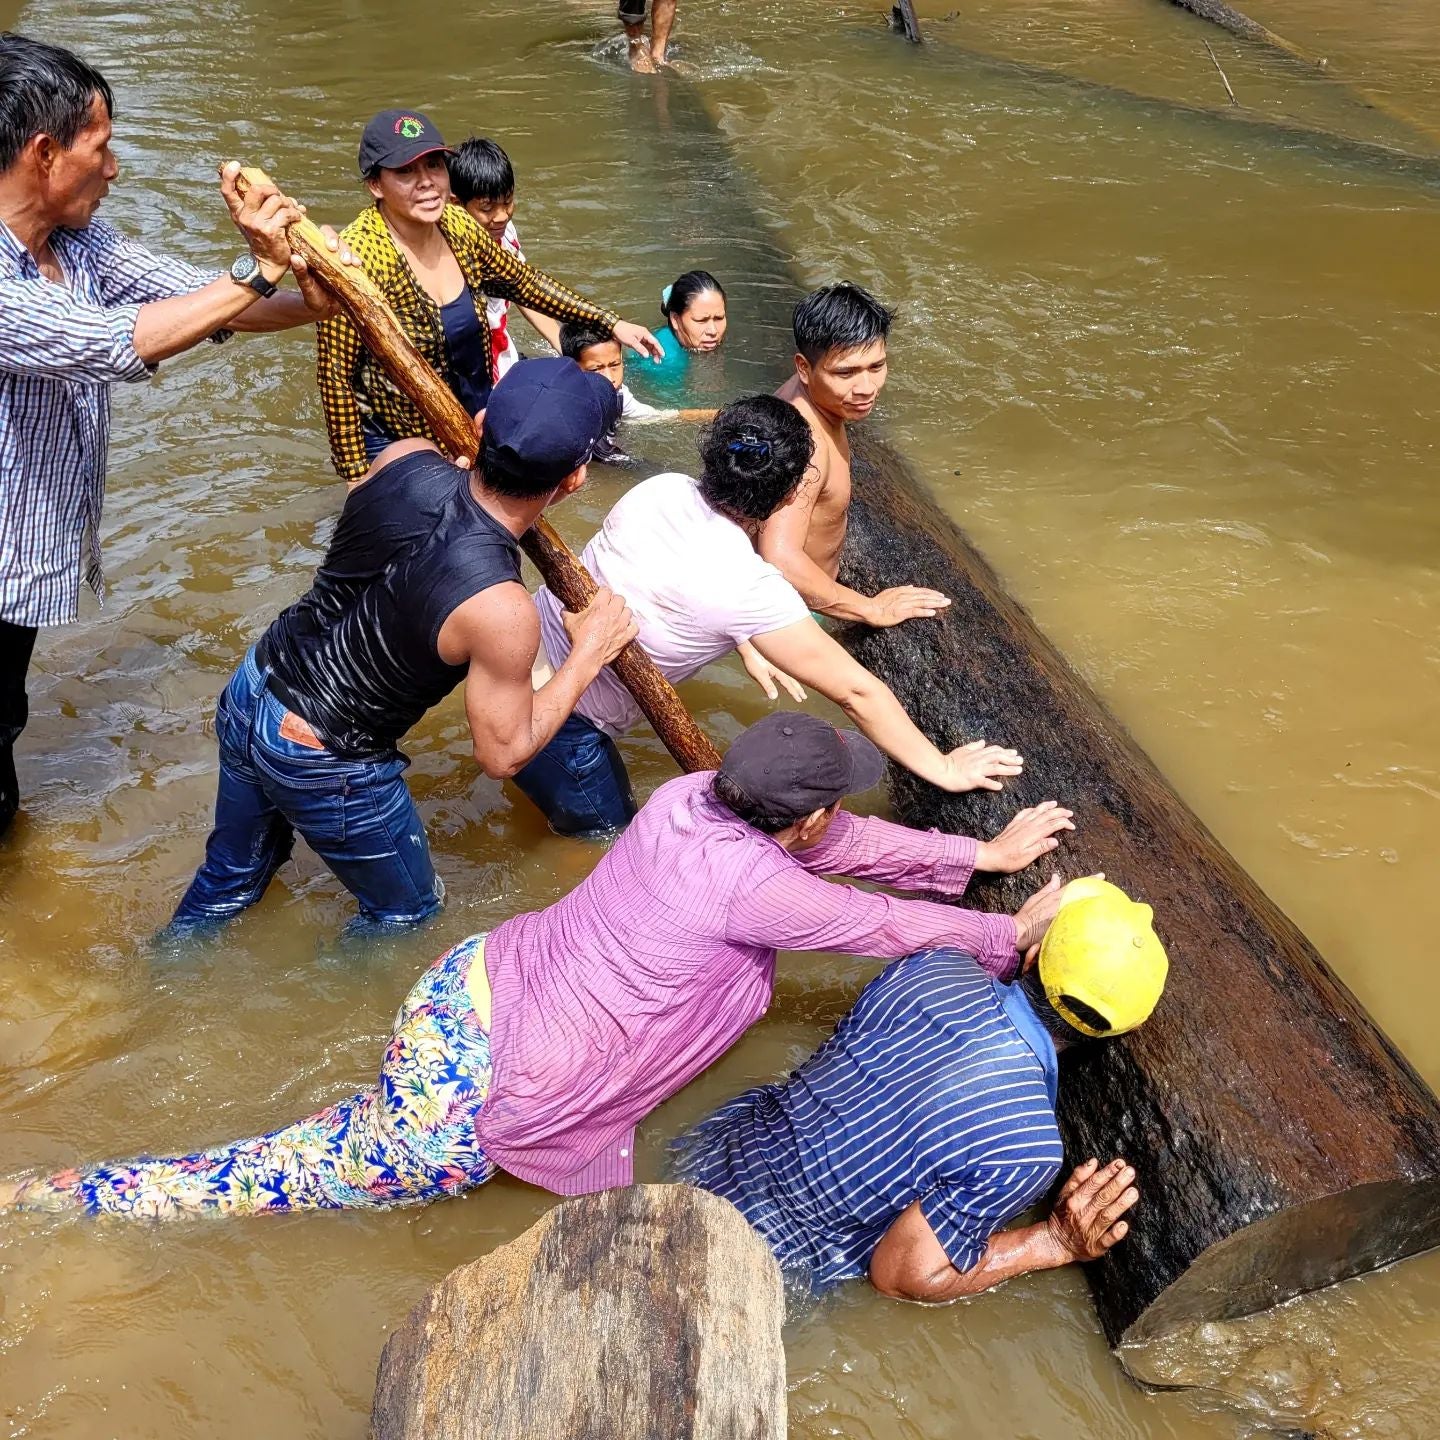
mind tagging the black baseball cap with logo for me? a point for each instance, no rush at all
(791, 763)
(396, 137)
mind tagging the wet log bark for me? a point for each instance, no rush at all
(454, 431)
(1281, 1140)
(651, 1313)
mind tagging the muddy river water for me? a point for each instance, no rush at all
(1175, 375)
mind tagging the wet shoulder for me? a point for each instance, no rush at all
(423, 481)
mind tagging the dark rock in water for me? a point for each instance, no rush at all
(1281, 1140)
(651, 1313)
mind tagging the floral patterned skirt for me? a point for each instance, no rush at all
(408, 1139)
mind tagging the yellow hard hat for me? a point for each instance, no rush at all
(1101, 964)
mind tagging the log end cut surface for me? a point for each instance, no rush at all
(650, 1313)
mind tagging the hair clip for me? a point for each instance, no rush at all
(749, 444)
(665, 296)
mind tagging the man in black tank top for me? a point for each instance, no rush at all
(420, 589)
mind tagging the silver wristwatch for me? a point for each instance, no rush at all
(246, 271)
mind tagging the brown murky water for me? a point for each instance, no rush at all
(1174, 375)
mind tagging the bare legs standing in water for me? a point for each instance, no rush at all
(647, 58)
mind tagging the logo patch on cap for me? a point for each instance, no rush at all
(409, 127)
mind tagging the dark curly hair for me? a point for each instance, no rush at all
(754, 456)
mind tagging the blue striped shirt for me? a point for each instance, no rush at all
(939, 1086)
(61, 348)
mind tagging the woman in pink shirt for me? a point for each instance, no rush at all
(539, 1047)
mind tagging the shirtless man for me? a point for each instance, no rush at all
(840, 368)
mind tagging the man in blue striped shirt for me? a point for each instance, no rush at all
(907, 1142)
(80, 308)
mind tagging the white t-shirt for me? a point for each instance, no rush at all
(633, 409)
(692, 580)
(503, 346)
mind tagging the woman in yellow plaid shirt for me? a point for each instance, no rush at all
(436, 267)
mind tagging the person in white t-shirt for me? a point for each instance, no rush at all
(682, 553)
(601, 354)
(482, 179)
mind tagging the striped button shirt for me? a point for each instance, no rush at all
(939, 1086)
(613, 998)
(61, 348)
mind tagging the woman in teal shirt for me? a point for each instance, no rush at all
(695, 320)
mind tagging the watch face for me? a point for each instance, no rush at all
(244, 268)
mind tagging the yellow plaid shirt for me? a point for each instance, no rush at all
(353, 384)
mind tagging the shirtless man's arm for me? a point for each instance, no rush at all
(498, 634)
(803, 538)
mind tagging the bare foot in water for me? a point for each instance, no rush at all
(679, 67)
(642, 62)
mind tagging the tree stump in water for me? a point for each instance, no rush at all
(1282, 1143)
(651, 1313)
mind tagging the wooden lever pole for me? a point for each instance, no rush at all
(454, 429)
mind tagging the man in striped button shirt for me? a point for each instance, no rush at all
(80, 308)
(923, 1126)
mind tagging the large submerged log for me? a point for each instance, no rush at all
(651, 1313)
(1281, 1140)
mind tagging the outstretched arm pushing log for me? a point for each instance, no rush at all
(910, 1263)
(455, 430)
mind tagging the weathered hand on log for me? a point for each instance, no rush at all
(1033, 832)
(904, 602)
(1086, 1221)
(454, 430)
(263, 216)
(1034, 917)
(978, 766)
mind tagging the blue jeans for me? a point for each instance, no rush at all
(580, 782)
(357, 815)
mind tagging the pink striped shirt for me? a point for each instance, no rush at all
(609, 1001)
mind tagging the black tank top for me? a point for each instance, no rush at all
(373, 671)
(381, 520)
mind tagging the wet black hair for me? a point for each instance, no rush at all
(676, 300)
(480, 170)
(754, 456)
(576, 337)
(44, 90)
(838, 317)
(733, 798)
